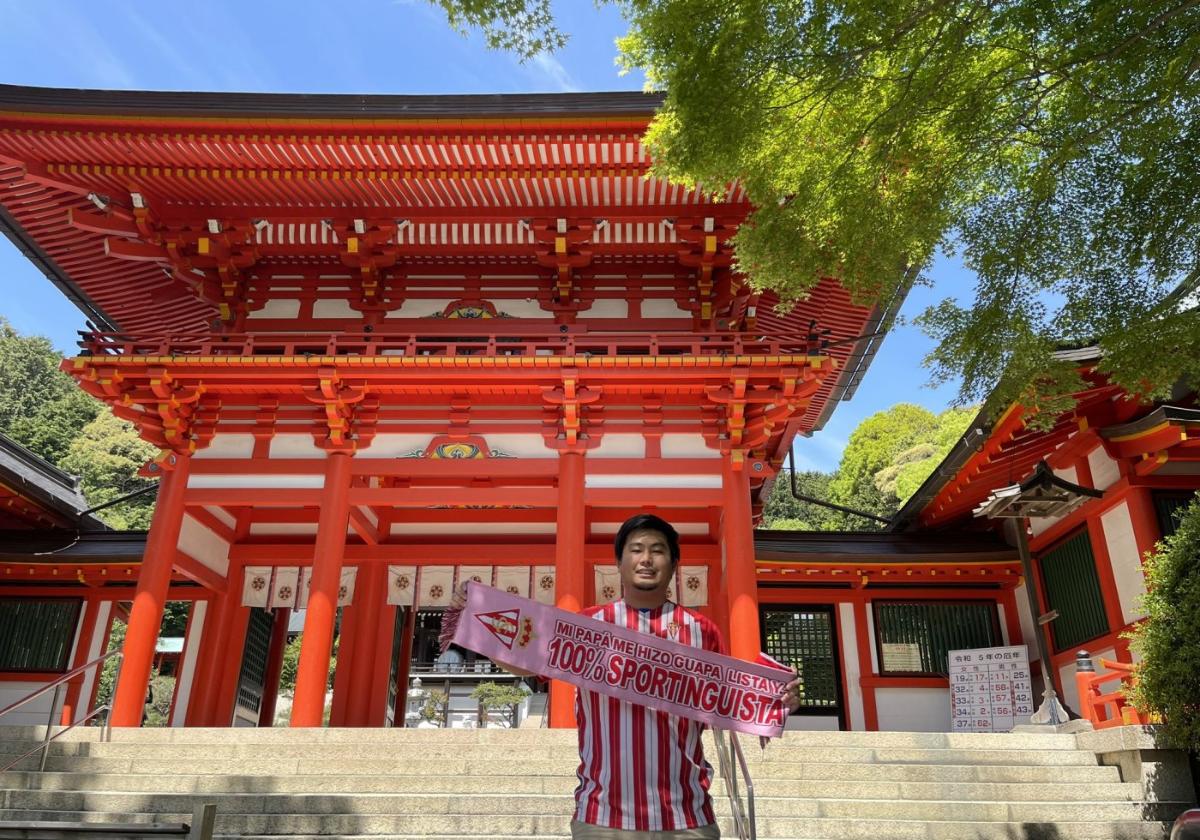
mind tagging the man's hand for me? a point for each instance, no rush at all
(459, 600)
(791, 693)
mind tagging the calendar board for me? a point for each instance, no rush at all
(990, 689)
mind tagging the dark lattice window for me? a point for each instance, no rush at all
(37, 635)
(1073, 589)
(254, 660)
(914, 637)
(803, 638)
(1170, 507)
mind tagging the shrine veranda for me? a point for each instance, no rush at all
(389, 343)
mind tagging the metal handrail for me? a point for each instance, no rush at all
(743, 816)
(57, 686)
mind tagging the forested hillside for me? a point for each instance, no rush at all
(43, 409)
(888, 457)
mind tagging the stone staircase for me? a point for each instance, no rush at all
(342, 783)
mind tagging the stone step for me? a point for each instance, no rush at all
(950, 770)
(521, 755)
(274, 826)
(811, 788)
(538, 737)
(424, 805)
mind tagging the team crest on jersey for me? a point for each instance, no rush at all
(673, 629)
(502, 624)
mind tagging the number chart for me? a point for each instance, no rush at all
(990, 690)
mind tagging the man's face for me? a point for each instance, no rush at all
(646, 562)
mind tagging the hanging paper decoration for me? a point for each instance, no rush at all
(479, 574)
(346, 587)
(543, 584)
(608, 584)
(303, 588)
(256, 586)
(436, 586)
(284, 587)
(693, 588)
(513, 579)
(402, 585)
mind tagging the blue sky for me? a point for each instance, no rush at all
(358, 46)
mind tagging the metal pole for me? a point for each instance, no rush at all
(50, 727)
(1031, 591)
(107, 734)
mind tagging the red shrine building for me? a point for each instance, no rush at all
(387, 343)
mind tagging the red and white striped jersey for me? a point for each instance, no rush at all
(641, 769)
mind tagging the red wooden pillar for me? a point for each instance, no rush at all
(145, 618)
(403, 667)
(83, 646)
(357, 652)
(213, 650)
(228, 666)
(374, 708)
(266, 715)
(741, 584)
(312, 672)
(569, 569)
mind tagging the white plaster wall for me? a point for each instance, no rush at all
(1066, 676)
(620, 446)
(334, 308)
(221, 515)
(686, 446)
(519, 446)
(856, 718)
(103, 611)
(606, 308)
(34, 713)
(689, 481)
(1105, 471)
(421, 307)
(227, 446)
(253, 481)
(296, 446)
(393, 445)
(1068, 474)
(277, 308)
(700, 528)
(521, 308)
(913, 709)
(1038, 524)
(472, 528)
(278, 528)
(204, 546)
(811, 723)
(1126, 563)
(663, 308)
(1028, 628)
(1003, 624)
(187, 666)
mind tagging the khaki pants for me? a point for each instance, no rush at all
(584, 831)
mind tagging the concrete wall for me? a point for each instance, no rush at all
(913, 709)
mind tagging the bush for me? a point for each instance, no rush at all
(434, 708)
(158, 710)
(1168, 677)
(492, 696)
(291, 663)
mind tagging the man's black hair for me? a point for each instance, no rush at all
(647, 522)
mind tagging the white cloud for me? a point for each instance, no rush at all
(552, 69)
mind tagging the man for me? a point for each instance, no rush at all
(643, 771)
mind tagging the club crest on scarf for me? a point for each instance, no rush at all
(502, 624)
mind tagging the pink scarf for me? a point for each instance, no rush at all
(718, 690)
